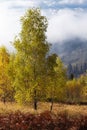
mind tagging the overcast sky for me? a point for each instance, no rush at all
(67, 18)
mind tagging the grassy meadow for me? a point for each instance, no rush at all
(57, 108)
(62, 117)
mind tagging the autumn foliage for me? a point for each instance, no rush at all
(43, 121)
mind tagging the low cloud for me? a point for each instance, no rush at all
(72, 1)
(67, 24)
(63, 23)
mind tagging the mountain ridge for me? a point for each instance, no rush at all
(72, 51)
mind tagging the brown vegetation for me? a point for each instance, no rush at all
(42, 121)
(63, 117)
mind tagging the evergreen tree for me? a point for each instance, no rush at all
(69, 71)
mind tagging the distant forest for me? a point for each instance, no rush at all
(76, 70)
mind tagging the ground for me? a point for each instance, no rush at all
(57, 108)
(62, 117)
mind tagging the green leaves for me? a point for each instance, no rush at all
(32, 49)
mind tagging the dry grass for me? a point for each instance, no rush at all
(57, 108)
(62, 108)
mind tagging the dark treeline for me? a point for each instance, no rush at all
(76, 70)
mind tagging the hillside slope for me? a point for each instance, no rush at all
(72, 51)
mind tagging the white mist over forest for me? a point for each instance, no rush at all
(66, 19)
